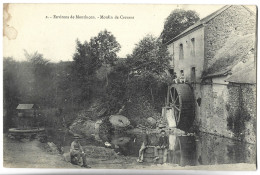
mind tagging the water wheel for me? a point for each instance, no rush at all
(180, 98)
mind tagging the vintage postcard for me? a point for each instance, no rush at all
(129, 86)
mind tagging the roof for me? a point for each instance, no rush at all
(224, 72)
(200, 22)
(25, 106)
(237, 49)
(203, 21)
(247, 75)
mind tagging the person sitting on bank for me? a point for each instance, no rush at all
(162, 144)
(77, 152)
(145, 143)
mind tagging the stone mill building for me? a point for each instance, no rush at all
(216, 61)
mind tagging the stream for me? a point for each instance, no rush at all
(202, 149)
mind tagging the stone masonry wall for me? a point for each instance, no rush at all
(236, 20)
(212, 111)
(242, 112)
(249, 108)
(227, 110)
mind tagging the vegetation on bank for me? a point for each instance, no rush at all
(135, 86)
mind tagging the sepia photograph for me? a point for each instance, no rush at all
(130, 86)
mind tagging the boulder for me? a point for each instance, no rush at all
(151, 121)
(53, 147)
(119, 121)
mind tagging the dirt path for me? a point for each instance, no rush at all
(31, 154)
(28, 154)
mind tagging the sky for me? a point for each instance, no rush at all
(55, 38)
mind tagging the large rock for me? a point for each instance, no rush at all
(53, 148)
(151, 121)
(119, 121)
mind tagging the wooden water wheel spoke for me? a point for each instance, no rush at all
(176, 99)
(176, 108)
(171, 95)
(174, 95)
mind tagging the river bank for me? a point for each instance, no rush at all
(30, 154)
(33, 154)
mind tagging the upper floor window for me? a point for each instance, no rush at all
(171, 71)
(193, 47)
(181, 52)
(193, 74)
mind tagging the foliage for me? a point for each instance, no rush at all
(42, 77)
(89, 57)
(148, 63)
(62, 89)
(104, 47)
(149, 55)
(83, 69)
(139, 78)
(177, 22)
(115, 96)
(11, 93)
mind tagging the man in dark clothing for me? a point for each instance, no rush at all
(163, 140)
(162, 144)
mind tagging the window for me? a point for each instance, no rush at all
(193, 74)
(193, 47)
(171, 71)
(181, 52)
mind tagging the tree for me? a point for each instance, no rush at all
(11, 95)
(177, 22)
(89, 57)
(83, 69)
(148, 63)
(42, 81)
(149, 55)
(104, 48)
(116, 91)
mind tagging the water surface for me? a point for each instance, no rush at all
(202, 149)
